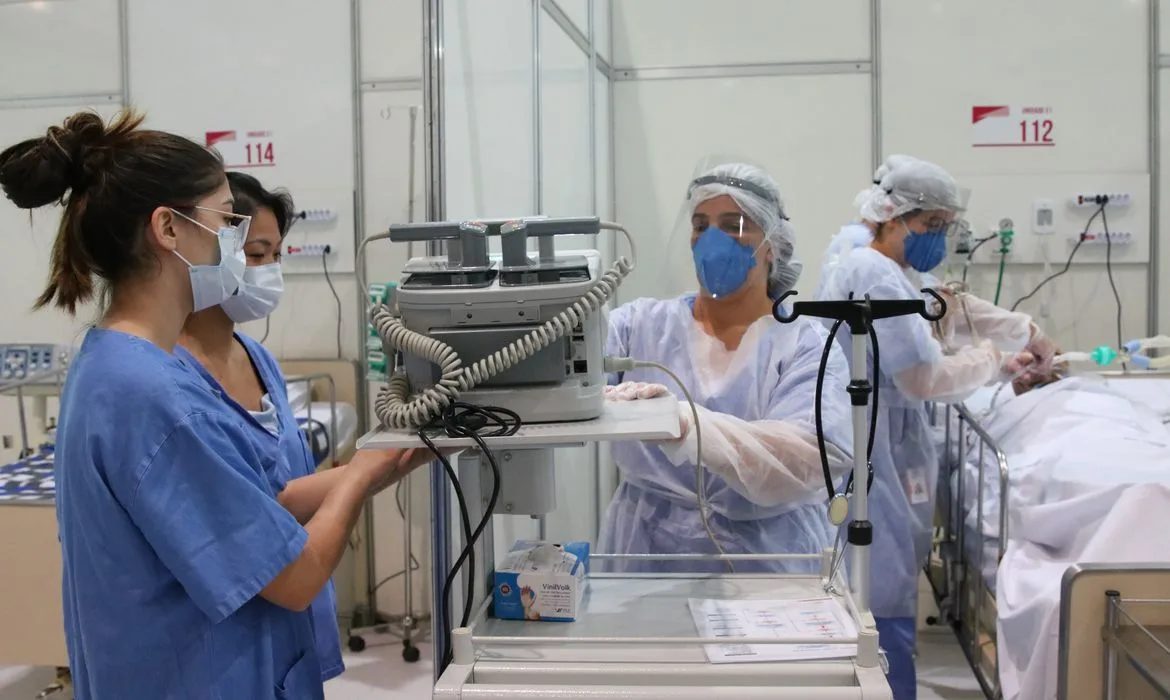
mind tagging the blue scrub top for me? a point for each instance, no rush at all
(295, 461)
(169, 529)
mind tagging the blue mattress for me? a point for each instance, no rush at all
(318, 434)
(29, 480)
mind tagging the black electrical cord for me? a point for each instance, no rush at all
(475, 422)
(1109, 271)
(1067, 264)
(829, 486)
(329, 281)
(971, 253)
(267, 327)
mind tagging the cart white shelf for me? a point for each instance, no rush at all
(649, 419)
(632, 640)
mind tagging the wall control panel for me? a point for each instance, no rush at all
(19, 362)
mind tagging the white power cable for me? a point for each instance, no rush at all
(397, 409)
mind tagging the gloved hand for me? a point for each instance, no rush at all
(631, 391)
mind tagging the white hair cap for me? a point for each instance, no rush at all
(882, 170)
(914, 185)
(758, 196)
(894, 161)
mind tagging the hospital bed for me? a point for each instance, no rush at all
(1130, 607)
(1078, 464)
(31, 627)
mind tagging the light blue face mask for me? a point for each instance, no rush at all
(925, 251)
(214, 284)
(721, 262)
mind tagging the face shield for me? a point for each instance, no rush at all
(731, 236)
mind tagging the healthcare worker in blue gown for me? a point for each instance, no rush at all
(189, 559)
(250, 377)
(906, 219)
(753, 379)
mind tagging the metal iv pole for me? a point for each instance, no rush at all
(859, 314)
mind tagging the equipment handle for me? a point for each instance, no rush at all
(533, 227)
(859, 313)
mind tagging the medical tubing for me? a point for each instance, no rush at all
(971, 253)
(359, 268)
(397, 409)
(700, 478)
(1109, 272)
(1158, 341)
(999, 282)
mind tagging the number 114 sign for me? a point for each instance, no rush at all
(243, 148)
(1012, 126)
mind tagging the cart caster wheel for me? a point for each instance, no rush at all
(410, 653)
(357, 644)
(932, 620)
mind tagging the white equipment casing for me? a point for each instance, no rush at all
(563, 382)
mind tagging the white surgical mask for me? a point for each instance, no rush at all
(259, 294)
(215, 284)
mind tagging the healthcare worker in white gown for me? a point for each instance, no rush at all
(753, 380)
(969, 319)
(906, 217)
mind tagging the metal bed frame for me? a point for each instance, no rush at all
(42, 385)
(965, 601)
(39, 386)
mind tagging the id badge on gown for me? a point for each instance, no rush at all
(917, 487)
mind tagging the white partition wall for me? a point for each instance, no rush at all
(1160, 155)
(784, 84)
(392, 136)
(287, 68)
(789, 86)
(525, 127)
(1092, 76)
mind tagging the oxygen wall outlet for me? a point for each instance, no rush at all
(1093, 200)
(308, 250)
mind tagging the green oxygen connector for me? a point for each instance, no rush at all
(1103, 356)
(1006, 234)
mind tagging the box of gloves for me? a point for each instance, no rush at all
(541, 581)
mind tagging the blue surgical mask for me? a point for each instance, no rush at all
(721, 262)
(214, 284)
(925, 251)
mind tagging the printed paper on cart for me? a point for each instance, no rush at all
(823, 618)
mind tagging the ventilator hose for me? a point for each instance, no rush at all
(397, 409)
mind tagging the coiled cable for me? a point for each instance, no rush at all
(397, 409)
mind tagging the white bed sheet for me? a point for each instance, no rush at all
(1082, 453)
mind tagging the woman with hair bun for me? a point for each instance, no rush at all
(189, 560)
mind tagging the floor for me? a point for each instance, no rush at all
(380, 674)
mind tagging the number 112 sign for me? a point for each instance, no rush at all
(243, 148)
(1011, 126)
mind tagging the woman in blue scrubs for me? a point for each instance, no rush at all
(190, 559)
(250, 376)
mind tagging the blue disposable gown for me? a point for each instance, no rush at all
(295, 460)
(169, 530)
(763, 475)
